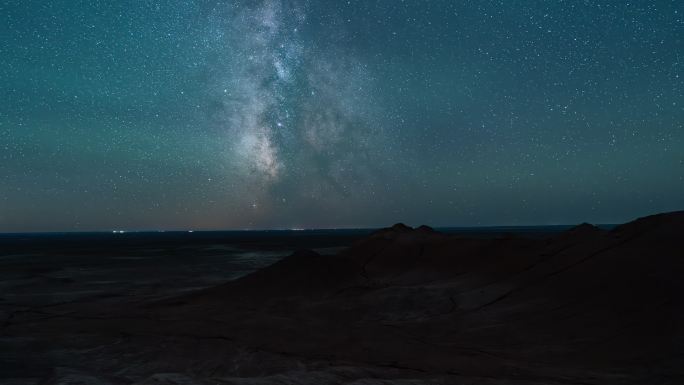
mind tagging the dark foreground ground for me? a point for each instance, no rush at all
(396, 306)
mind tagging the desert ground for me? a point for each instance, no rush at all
(399, 305)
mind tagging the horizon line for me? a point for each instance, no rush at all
(190, 231)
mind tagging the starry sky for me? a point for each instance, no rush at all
(229, 114)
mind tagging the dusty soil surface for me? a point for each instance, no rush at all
(400, 306)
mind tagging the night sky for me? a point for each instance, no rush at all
(218, 114)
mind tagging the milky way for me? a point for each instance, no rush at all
(214, 114)
(292, 112)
